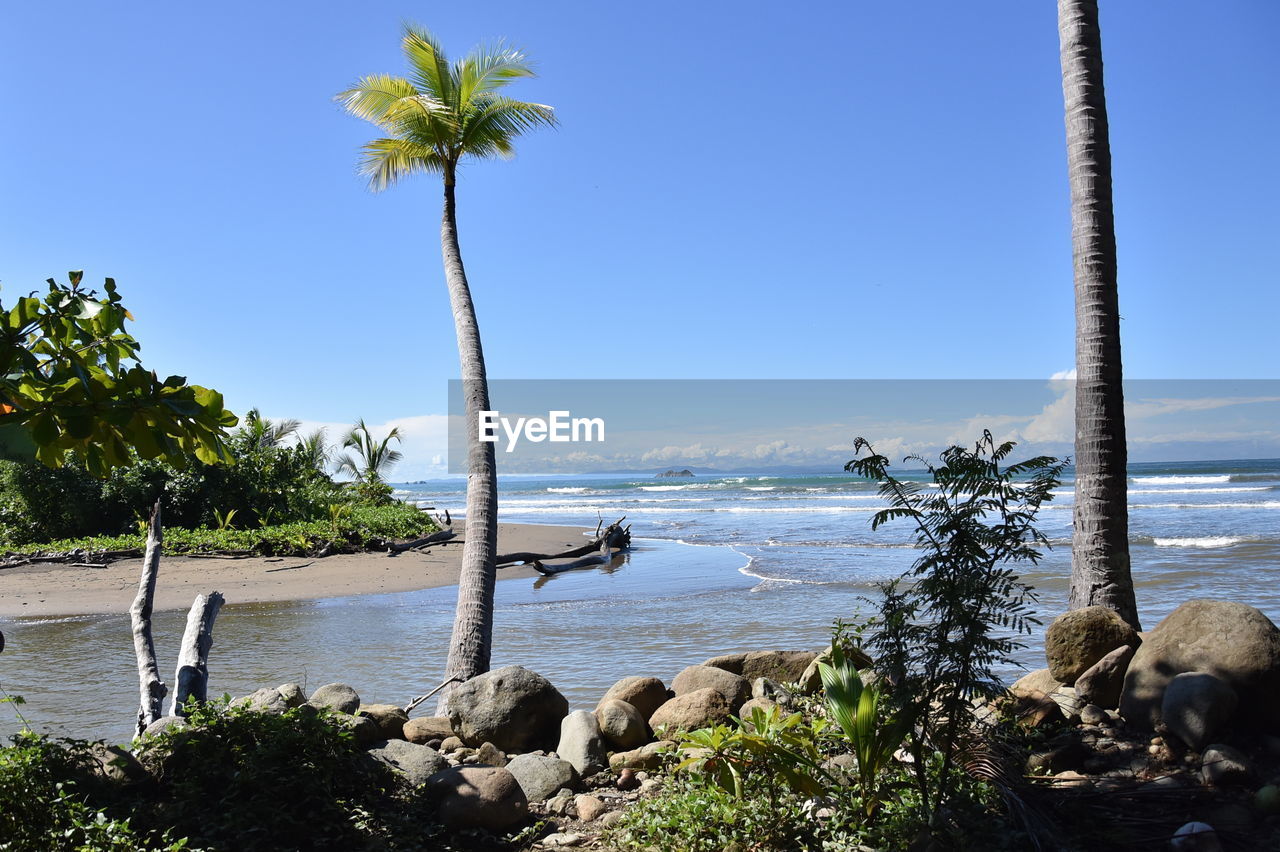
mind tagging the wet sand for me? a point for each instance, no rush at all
(54, 589)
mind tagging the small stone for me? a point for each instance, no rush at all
(1072, 779)
(1196, 837)
(628, 780)
(589, 807)
(451, 744)
(364, 729)
(540, 776)
(646, 694)
(1092, 714)
(582, 744)
(292, 694)
(610, 818)
(389, 718)
(650, 785)
(490, 755)
(561, 839)
(415, 763)
(1223, 765)
(560, 804)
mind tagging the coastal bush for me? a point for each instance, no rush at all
(244, 780)
(776, 747)
(358, 528)
(45, 802)
(956, 615)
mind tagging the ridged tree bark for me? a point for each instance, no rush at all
(1100, 571)
(471, 643)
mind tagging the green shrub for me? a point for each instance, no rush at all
(243, 780)
(45, 804)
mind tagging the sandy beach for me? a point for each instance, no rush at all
(53, 589)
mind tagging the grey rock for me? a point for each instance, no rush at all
(1079, 638)
(735, 688)
(1092, 714)
(560, 804)
(415, 763)
(582, 744)
(116, 763)
(490, 755)
(292, 694)
(1197, 706)
(163, 724)
(646, 694)
(512, 707)
(452, 744)
(1101, 683)
(1221, 765)
(562, 840)
(487, 797)
(621, 724)
(1229, 640)
(785, 666)
(540, 777)
(364, 729)
(765, 689)
(336, 696)
(266, 700)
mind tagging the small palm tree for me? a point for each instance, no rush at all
(315, 449)
(440, 114)
(372, 458)
(264, 433)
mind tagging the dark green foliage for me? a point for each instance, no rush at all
(243, 780)
(277, 493)
(70, 380)
(942, 633)
(46, 792)
(357, 528)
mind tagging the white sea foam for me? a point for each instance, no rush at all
(663, 487)
(1182, 480)
(567, 490)
(1206, 541)
(1231, 490)
(761, 487)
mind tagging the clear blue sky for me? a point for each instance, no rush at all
(747, 190)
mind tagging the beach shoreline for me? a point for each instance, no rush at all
(51, 589)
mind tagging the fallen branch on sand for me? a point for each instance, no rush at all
(600, 551)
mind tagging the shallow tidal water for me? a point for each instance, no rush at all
(724, 565)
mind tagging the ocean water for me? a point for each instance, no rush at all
(719, 564)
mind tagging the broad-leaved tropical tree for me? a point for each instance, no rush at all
(440, 114)
(71, 380)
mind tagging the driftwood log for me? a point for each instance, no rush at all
(191, 680)
(443, 535)
(152, 690)
(600, 551)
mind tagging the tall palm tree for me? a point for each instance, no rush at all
(1100, 538)
(432, 119)
(372, 459)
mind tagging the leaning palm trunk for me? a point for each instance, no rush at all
(472, 640)
(1100, 539)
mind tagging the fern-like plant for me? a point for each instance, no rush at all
(956, 615)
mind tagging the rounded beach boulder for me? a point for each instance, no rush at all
(646, 694)
(485, 797)
(1231, 641)
(512, 707)
(782, 666)
(621, 724)
(1079, 638)
(692, 710)
(336, 696)
(735, 688)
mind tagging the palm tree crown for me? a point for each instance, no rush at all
(372, 458)
(442, 112)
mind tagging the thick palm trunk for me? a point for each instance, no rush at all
(471, 643)
(1100, 539)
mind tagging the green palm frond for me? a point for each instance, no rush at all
(388, 160)
(494, 121)
(374, 97)
(431, 72)
(487, 69)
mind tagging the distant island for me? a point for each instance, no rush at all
(671, 473)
